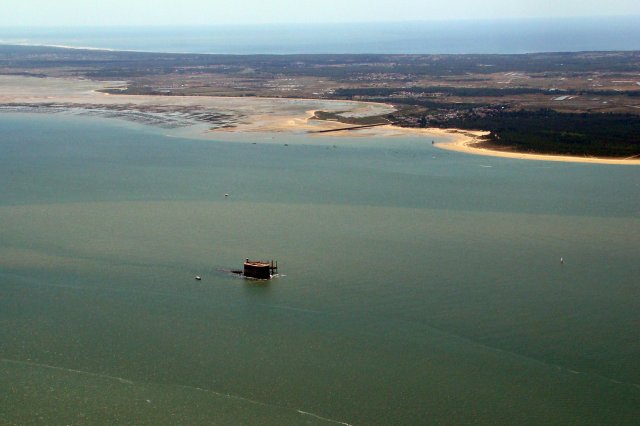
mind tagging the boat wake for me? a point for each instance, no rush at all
(68, 370)
(323, 418)
(131, 383)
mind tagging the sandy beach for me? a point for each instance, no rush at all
(206, 116)
(468, 142)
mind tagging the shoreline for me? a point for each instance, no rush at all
(209, 115)
(466, 141)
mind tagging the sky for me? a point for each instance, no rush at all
(40, 13)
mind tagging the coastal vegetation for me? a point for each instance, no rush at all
(471, 91)
(127, 63)
(550, 132)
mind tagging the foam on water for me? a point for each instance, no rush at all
(68, 370)
(129, 382)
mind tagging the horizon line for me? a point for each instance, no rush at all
(321, 23)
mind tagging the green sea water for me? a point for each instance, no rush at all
(418, 286)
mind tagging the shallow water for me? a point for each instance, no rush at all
(419, 285)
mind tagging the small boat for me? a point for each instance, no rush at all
(198, 278)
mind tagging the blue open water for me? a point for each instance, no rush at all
(464, 36)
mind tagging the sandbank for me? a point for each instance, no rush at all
(237, 114)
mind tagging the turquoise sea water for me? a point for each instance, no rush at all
(419, 285)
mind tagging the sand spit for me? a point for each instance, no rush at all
(469, 143)
(210, 115)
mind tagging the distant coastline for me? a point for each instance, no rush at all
(61, 46)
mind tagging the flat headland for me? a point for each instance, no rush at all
(208, 116)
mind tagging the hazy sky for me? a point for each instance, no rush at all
(209, 12)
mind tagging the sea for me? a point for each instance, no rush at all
(437, 37)
(415, 286)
